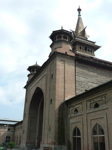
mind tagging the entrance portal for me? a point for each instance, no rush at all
(35, 121)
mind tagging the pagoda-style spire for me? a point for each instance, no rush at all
(80, 29)
(33, 69)
(80, 43)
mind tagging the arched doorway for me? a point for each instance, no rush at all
(35, 121)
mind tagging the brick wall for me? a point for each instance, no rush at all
(88, 76)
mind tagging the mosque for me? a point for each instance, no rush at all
(68, 102)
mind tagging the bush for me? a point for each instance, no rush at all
(11, 145)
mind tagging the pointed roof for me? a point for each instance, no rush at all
(62, 31)
(81, 44)
(35, 66)
(80, 29)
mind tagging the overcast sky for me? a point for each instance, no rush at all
(25, 27)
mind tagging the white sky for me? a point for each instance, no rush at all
(25, 27)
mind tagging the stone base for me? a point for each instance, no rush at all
(52, 147)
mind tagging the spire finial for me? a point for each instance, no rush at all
(79, 11)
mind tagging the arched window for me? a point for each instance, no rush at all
(8, 138)
(75, 111)
(19, 140)
(98, 138)
(76, 139)
(96, 105)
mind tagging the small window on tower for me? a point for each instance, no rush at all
(65, 37)
(33, 70)
(85, 48)
(96, 105)
(59, 37)
(91, 51)
(55, 38)
(75, 111)
(50, 101)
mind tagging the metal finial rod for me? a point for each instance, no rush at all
(61, 27)
(79, 11)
